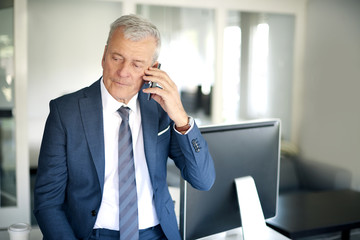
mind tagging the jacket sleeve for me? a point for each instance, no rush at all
(50, 186)
(191, 155)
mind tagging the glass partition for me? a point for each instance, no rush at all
(258, 67)
(187, 53)
(7, 122)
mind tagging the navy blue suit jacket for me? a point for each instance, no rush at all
(70, 178)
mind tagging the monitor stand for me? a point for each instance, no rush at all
(251, 214)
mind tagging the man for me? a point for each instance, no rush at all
(77, 188)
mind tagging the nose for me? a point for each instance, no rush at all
(123, 70)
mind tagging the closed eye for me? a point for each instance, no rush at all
(138, 65)
(117, 57)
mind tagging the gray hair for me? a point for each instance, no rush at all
(136, 28)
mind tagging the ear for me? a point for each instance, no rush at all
(103, 58)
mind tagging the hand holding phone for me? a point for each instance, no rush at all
(153, 84)
(167, 94)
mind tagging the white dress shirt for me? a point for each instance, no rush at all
(108, 216)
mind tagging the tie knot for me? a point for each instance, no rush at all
(124, 113)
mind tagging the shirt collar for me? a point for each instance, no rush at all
(111, 105)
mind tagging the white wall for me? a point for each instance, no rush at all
(60, 63)
(330, 125)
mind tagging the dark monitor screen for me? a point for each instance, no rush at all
(238, 150)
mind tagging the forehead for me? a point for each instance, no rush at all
(143, 48)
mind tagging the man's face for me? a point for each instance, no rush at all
(124, 62)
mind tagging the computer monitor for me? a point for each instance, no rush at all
(238, 150)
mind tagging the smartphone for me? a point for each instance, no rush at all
(153, 84)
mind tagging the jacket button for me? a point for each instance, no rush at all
(196, 145)
(93, 213)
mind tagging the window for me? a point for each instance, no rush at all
(258, 67)
(187, 53)
(7, 121)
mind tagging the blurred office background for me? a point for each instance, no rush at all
(233, 61)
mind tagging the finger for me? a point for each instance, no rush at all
(157, 75)
(160, 82)
(161, 77)
(152, 71)
(157, 98)
(154, 91)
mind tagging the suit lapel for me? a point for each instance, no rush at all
(92, 118)
(149, 121)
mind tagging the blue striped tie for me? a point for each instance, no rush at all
(128, 218)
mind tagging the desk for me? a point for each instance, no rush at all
(236, 234)
(306, 214)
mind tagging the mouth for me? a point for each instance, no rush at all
(120, 83)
